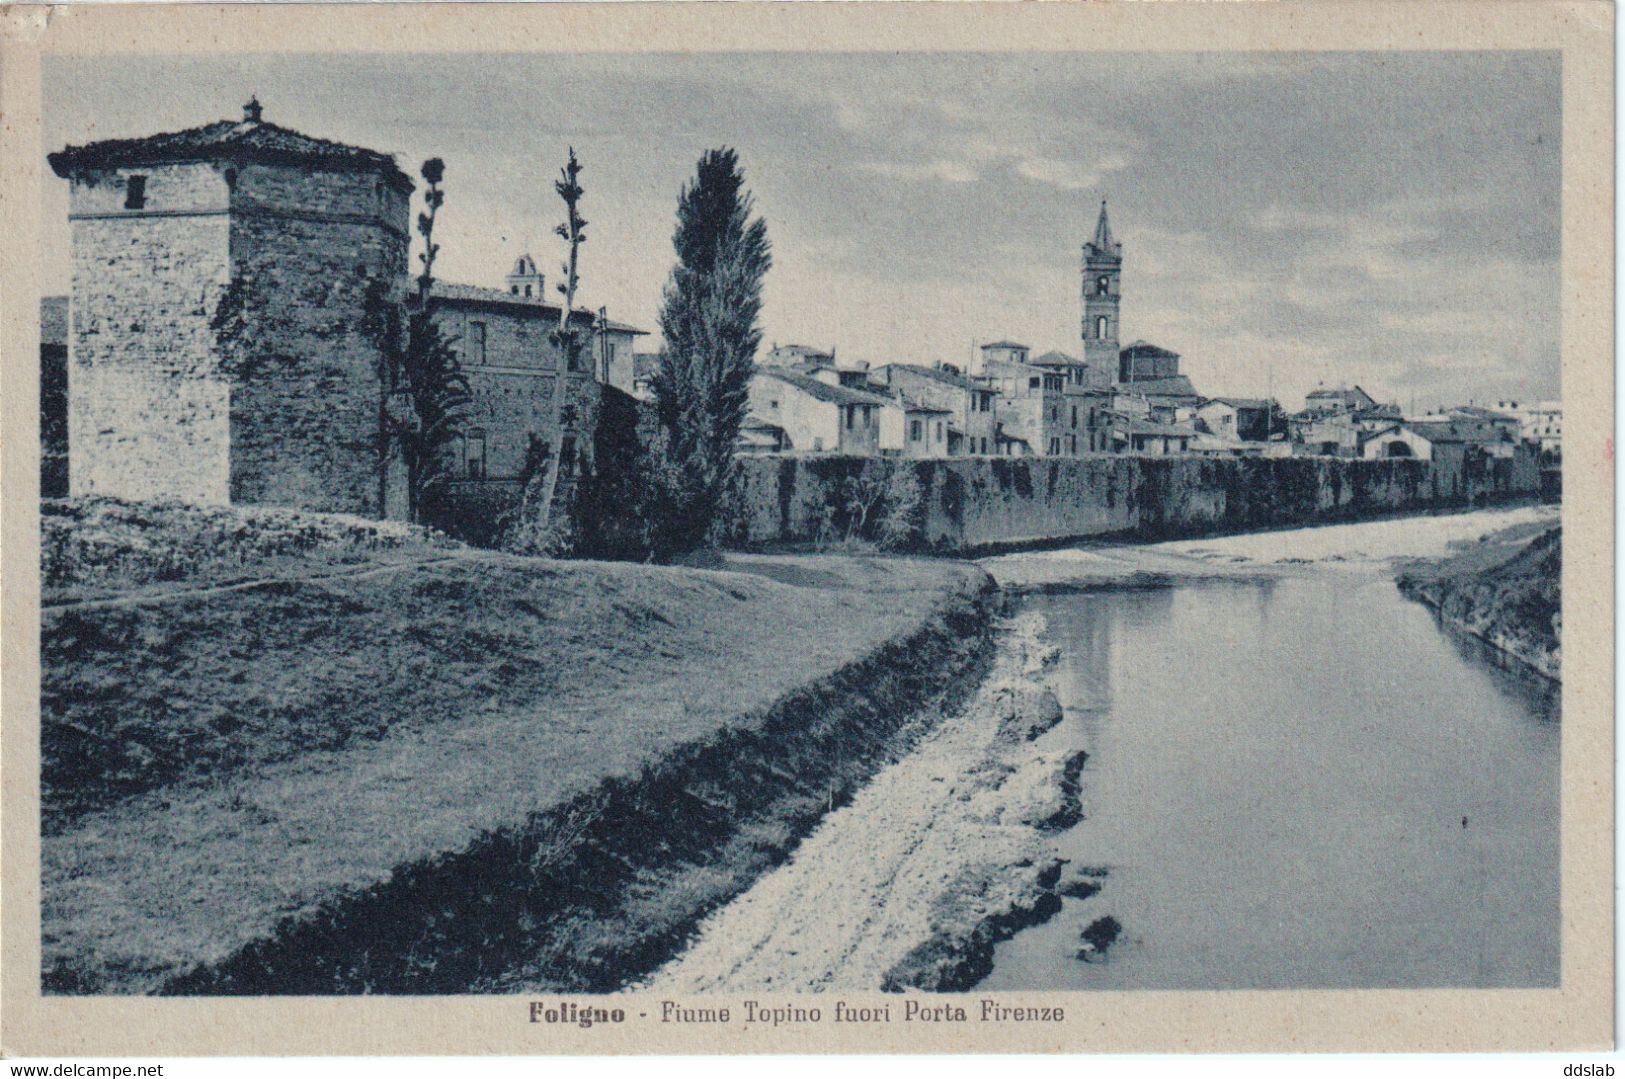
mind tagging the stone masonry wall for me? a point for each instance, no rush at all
(146, 398)
(972, 504)
(305, 246)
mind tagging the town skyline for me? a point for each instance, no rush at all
(1362, 231)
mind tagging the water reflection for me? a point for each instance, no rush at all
(1300, 783)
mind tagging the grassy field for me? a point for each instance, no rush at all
(226, 753)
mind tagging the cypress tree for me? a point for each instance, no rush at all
(709, 322)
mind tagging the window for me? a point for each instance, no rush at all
(135, 192)
(939, 430)
(1054, 446)
(474, 453)
(1100, 328)
(476, 342)
(913, 430)
(514, 289)
(527, 290)
(851, 416)
(1103, 285)
(1074, 415)
(1032, 384)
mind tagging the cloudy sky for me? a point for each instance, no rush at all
(1287, 219)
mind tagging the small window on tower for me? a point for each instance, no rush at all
(1100, 328)
(1103, 285)
(135, 192)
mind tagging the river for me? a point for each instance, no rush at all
(1298, 780)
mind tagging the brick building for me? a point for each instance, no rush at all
(505, 339)
(216, 349)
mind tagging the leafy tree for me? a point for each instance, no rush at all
(426, 394)
(709, 322)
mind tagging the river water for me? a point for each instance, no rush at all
(1301, 781)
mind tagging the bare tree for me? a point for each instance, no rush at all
(570, 341)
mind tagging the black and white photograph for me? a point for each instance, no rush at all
(823, 540)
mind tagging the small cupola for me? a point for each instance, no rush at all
(251, 111)
(525, 281)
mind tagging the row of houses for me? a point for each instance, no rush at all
(1006, 401)
(148, 391)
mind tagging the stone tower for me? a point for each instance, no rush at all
(220, 284)
(1102, 293)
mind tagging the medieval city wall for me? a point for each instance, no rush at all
(978, 504)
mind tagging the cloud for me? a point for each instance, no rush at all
(1071, 175)
(948, 172)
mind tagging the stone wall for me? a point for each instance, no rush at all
(145, 397)
(217, 346)
(305, 247)
(975, 504)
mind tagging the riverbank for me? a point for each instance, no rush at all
(975, 838)
(460, 771)
(1506, 590)
(910, 886)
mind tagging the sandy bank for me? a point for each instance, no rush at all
(1367, 546)
(910, 884)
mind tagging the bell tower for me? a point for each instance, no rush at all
(1102, 279)
(525, 281)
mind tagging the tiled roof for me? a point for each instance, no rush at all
(1455, 432)
(839, 395)
(1003, 344)
(53, 320)
(1178, 386)
(1145, 348)
(1240, 402)
(1056, 358)
(245, 140)
(455, 293)
(911, 405)
(937, 374)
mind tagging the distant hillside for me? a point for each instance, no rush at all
(1506, 591)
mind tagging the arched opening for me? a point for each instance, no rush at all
(1100, 328)
(1397, 449)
